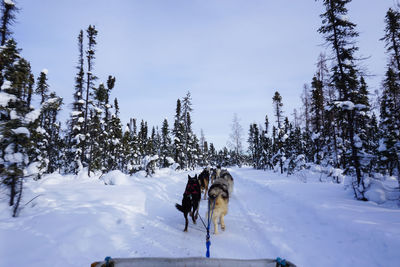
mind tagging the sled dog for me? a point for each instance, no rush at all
(191, 200)
(204, 179)
(218, 198)
(228, 178)
(215, 173)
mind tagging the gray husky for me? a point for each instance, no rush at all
(218, 198)
(228, 178)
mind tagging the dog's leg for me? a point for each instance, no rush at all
(221, 219)
(193, 215)
(195, 212)
(215, 221)
(186, 221)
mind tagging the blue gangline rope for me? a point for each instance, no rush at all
(208, 242)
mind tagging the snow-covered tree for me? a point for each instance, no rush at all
(389, 124)
(255, 148)
(280, 135)
(8, 12)
(48, 144)
(235, 140)
(75, 134)
(339, 33)
(90, 87)
(166, 145)
(113, 140)
(178, 132)
(16, 119)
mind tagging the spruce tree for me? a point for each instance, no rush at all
(267, 147)
(389, 124)
(51, 132)
(339, 32)
(187, 130)
(389, 143)
(178, 132)
(306, 99)
(278, 157)
(317, 118)
(212, 155)
(90, 78)
(255, 147)
(42, 88)
(46, 135)
(166, 145)
(93, 156)
(392, 36)
(143, 138)
(76, 135)
(8, 11)
(114, 139)
(16, 122)
(130, 152)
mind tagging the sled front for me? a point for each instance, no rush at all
(193, 262)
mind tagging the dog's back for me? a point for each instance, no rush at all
(218, 198)
(225, 175)
(215, 173)
(204, 179)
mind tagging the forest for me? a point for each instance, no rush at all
(340, 133)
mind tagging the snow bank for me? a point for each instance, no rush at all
(115, 178)
(32, 169)
(376, 193)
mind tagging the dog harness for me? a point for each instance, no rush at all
(192, 189)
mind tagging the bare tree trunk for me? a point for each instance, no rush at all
(13, 191)
(16, 206)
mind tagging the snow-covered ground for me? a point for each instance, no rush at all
(77, 220)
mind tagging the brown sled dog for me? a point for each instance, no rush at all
(191, 200)
(218, 198)
(204, 179)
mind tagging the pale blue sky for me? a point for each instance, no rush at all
(232, 55)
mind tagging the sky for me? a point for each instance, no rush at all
(231, 55)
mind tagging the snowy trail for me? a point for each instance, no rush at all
(316, 223)
(76, 221)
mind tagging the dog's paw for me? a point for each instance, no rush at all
(223, 227)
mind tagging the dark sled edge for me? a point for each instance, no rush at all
(192, 261)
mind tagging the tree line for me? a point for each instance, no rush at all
(33, 142)
(339, 129)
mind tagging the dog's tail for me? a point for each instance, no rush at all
(179, 207)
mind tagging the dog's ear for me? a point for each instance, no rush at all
(195, 176)
(189, 177)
